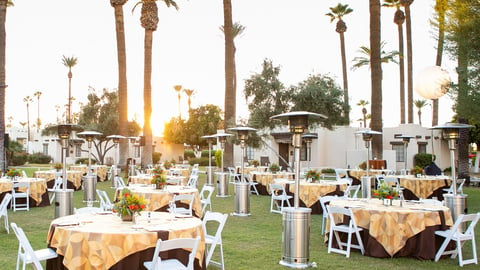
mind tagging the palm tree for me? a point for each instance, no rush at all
(337, 13)
(376, 77)
(189, 93)
(441, 7)
(363, 103)
(39, 122)
(149, 21)
(420, 104)
(399, 19)
(406, 4)
(27, 101)
(238, 30)
(364, 60)
(122, 77)
(57, 109)
(178, 89)
(69, 62)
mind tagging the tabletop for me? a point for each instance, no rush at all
(104, 241)
(74, 177)
(424, 187)
(38, 189)
(99, 170)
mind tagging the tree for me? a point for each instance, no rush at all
(149, 21)
(189, 93)
(376, 77)
(364, 60)
(399, 19)
(320, 94)
(202, 121)
(237, 30)
(266, 96)
(39, 122)
(337, 13)
(174, 131)
(406, 4)
(363, 103)
(69, 62)
(420, 104)
(178, 89)
(122, 76)
(27, 101)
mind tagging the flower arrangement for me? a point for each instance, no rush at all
(57, 166)
(385, 191)
(416, 170)
(159, 180)
(128, 204)
(274, 167)
(363, 165)
(312, 174)
(167, 164)
(13, 173)
(157, 170)
(254, 163)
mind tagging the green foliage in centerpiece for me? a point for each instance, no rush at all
(128, 204)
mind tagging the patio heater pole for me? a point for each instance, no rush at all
(296, 220)
(367, 136)
(89, 180)
(131, 164)
(209, 139)
(456, 202)
(115, 170)
(242, 188)
(64, 197)
(222, 181)
(308, 138)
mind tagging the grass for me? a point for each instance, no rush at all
(253, 242)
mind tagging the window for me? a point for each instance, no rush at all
(304, 152)
(399, 151)
(422, 147)
(250, 153)
(78, 150)
(45, 149)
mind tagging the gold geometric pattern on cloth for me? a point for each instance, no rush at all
(101, 241)
(359, 173)
(423, 187)
(147, 179)
(266, 179)
(393, 225)
(101, 170)
(73, 176)
(309, 192)
(156, 199)
(38, 187)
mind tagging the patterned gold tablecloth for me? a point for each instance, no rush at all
(309, 192)
(157, 199)
(72, 176)
(38, 187)
(359, 173)
(393, 225)
(180, 172)
(423, 187)
(147, 179)
(100, 170)
(266, 179)
(99, 241)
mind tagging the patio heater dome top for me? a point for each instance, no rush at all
(451, 130)
(89, 134)
(208, 137)
(368, 134)
(116, 138)
(298, 120)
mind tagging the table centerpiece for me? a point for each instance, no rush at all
(13, 173)
(128, 205)
(274, 168)
(158, 178)
(312, 175)
(386, 193)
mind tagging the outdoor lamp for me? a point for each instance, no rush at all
(64, 132)
(116, 140)
(242, 135)
(406, 140)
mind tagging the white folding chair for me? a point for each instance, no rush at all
(24, 174)
(212, 240)
(192, 181)
(3, 210)
(341, 174)
(205, 197)
(233, 175)
(324, 200)
(105, 202)
(378, 179)
(182, 198)
(278, 198)
(392, 181)
(456, 234)
(119, 183)
(17, 194)
(252, 185)
(351, 191)
(26, 252)
(336, 226)
(56, 186)
(460, 183)
(173, 264)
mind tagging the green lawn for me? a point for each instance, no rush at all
(253, 242)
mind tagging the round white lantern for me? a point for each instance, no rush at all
(432, 82)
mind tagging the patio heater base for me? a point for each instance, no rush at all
(296, 237)
(63, 202)
(458, 205)
(242, 199)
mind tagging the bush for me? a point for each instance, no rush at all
(188, 154)
(422, 159)
(205, 153)
(19, 159)
(218, 158)
(39, 158)
(85, 161)
(156, 156)
(201, 161)
(328, 170)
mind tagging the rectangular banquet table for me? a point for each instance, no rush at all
(38, 190)
(104, 241)
(158, 200)
(394, 231)
(74, 178)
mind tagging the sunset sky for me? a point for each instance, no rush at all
(189, 50)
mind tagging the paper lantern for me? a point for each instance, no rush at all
(432, 82)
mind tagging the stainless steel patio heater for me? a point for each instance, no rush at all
(308, 138)
(131, 164)
(209, 139)
(242, 188)
(90, 179)
(367, 136)
(296, 220)
(456, 202)
(222, 181)
(115, 170)
(405, 140)
(64, 196)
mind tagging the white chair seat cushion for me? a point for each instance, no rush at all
(167, 264)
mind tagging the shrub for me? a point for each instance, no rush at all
(328, 170)
(19, 159)
(203, 161)
(188, 154)
(205, 153)
(39, 158)
(85, 161)
(218, 158)
(422, 159)
(156, 156)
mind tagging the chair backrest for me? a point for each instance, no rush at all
(195, 166)
(206, 192)
(472, 218)
(219, 218)
(194, 171)
(183, 243)
(185, 197)
(232, 171)
(119, 181)
(341, 173)
(24, 174)
(4, 204)
(58, 183)
(192, 181)
(332, 210)
(324, 200)
(25, 247)
(350, 189)
(391, 180)
(277, 189)
(105, 202)
(17, 185)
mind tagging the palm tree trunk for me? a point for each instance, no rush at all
(441, 6)
(376, 77)
(3, 15)
(345, 79)
(122, 82)
(409, 63)
(462, 71)
(230, 93)
(147, 98)
(401, 66)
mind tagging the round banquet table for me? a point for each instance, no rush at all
(38, 190)
(309, 193)
(99, 170)
(104, 241)
(264, 179)
(74, 178)
(357, 174)
(423, 187)
(394, 231)
(146, 179)
(158, 200)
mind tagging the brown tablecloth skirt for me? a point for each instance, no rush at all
(316, 208)
(32, 203)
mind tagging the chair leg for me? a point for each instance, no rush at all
(221, 257)
(442, 249)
